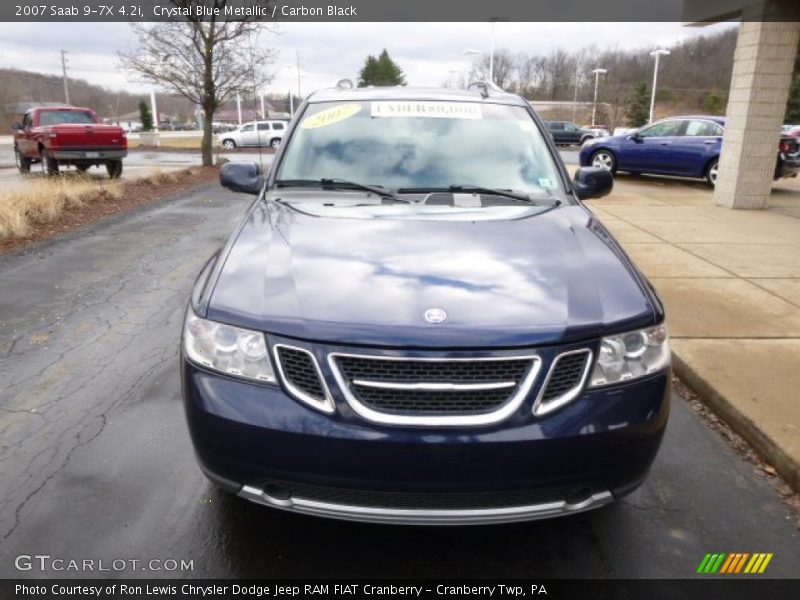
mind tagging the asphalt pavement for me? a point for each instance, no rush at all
(97, 464)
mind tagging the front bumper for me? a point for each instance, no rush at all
(256, 441)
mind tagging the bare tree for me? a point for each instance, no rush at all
(502, 68)
(208, 62)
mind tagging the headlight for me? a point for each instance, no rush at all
(227, 349)
(631, 355)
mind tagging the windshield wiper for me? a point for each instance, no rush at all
(477, 189)
(341, 184)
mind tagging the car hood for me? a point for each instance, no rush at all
(550, 277)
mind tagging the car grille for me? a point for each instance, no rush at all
(565, 374)
(425, 500)
(300, 371)
(426, 387)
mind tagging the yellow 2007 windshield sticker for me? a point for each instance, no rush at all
(329, 116)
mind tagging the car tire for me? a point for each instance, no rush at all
(23, 162)
(114, 169)
(229, 144)
(605, 159)
(275, 143)
(711, 172)
(49, 165)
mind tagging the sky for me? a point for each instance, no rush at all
(429, 53)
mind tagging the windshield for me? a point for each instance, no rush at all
(57, 117)
(421, 145)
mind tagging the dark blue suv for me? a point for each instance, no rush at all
(418, 321)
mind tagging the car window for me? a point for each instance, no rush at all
(555, 126)
(248, 127)
(277, 126)
(421, 144)
(570, 127)
(57, 117)
(663, 129)
(703, 128)
(263, 126)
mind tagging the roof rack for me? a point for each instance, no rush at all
(484, 87)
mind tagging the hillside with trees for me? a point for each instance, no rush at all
(695, 77)
(24, 86)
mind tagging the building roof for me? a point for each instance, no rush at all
(414, 93)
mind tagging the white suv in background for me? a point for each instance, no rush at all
(255, 133)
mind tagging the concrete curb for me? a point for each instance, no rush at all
(769, 450)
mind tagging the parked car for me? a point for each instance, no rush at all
(256, 133)
(684, 146)
(403, 331)
(56, 136)
(597, 130)
(567, 133)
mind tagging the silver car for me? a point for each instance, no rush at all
(255, 133)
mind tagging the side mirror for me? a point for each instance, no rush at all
(636, 137)
(17, 127)
(592, 182)
(242, 177)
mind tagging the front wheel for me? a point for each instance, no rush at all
(275, 143)
(23, 162)
(711, 172)
(114, 168)
(229, 145)
(605, 160)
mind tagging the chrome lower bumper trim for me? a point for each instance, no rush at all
(410, 516)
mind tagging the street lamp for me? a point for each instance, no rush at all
(657, 54)
(597, 73)
(469, 52)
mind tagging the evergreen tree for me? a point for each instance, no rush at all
(145, 117)
(638, 111)
(380, 71)
(715, 103)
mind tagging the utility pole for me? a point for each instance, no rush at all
(299, 95)
(64, 74)
(575, 96)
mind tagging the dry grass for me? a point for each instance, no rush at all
(44, 200)
(193, 143)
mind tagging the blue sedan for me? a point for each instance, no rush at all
(682, 146)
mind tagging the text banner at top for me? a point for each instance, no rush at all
(690, 11)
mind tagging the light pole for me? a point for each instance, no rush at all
(597, 73)
(450, 83)
(491, 56)
(469, 52)
(657, 54)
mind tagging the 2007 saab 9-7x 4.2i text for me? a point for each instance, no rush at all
(418, 321)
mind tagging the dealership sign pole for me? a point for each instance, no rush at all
(657, 54)
(597, 73)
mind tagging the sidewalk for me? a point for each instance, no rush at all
(730, 281)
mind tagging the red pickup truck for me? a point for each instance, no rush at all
(55, 136)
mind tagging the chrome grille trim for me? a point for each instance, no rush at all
(507, 409)
(541, 407)
(446, 387)
(325, 404)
